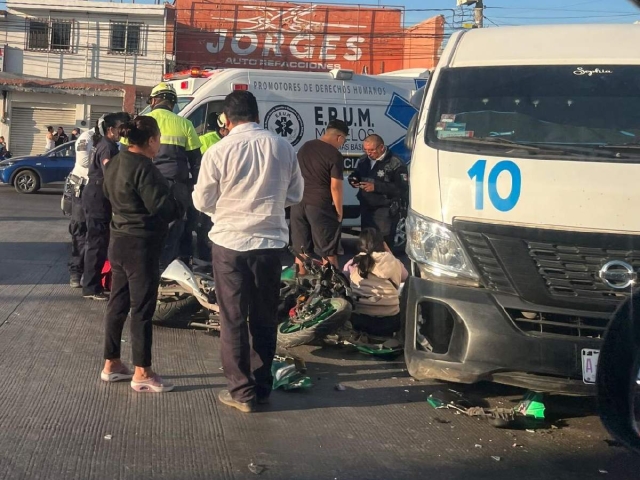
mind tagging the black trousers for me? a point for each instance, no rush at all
(379, 326)
(175, 235)
(135, 277)
(381, 220)
(203, 243)
(97, 211)
(190, 226)
(78, 232)
(248, 289)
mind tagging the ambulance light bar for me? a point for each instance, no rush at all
(194, 72)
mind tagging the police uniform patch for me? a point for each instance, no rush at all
(380, 173)
(404, 177)
(81, 145)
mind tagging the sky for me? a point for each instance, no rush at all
(519, 12)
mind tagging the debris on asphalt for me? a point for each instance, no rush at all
(478, 445)
(339, 387)
(288, 374)
(603, 471)
(448, 399)
(532, 405)
(529, 414)
(108, 437)
(256, 469)
(496, 458)
(517, 445)
(441, 420)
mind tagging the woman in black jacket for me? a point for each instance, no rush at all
(142, 206)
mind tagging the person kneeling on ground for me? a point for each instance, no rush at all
(143, 206)
(375, 276)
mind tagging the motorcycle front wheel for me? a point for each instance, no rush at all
(329, 317)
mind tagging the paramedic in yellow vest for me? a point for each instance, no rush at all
(216, 131)
(178, 160)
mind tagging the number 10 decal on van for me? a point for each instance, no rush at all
(521, 231)
(299, 105)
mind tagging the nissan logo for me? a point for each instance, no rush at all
(617, 274)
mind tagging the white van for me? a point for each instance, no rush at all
(298, 106)
(522, 229)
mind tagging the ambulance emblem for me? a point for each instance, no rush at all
(285, 122)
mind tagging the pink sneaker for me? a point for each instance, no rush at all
(123, 374)
(154, 384)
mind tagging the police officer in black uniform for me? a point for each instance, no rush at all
(384, 188)
(97, 209)
(77, 181)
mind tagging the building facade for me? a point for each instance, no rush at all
(300, 36)
(67, 63)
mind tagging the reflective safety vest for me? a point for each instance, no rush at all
(177, 137)
(209, 139)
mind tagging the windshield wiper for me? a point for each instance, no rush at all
(621, 146)
(549, 148)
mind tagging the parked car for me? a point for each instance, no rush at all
(27, 174)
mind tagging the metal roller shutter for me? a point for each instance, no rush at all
(96, 114)
(28, 128)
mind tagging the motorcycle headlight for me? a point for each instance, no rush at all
(438, 252)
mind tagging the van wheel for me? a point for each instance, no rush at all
(26, 181)
(400, 239)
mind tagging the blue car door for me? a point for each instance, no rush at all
(57, 164)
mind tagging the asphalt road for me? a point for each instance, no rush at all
(58, 421)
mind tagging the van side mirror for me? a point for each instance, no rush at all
(410, 139)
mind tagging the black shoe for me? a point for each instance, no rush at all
(225, 397)
(102, 297)
(262, 400)
(74, 282)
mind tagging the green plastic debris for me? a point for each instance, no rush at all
(288, 273)
(287, 376)
(379, 350)
(532, 405)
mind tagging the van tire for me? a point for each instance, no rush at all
(400, 240)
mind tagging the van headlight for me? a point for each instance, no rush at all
(438, 252)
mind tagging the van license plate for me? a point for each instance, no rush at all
(589, 364)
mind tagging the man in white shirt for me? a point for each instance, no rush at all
(78, 225)
(245, 183)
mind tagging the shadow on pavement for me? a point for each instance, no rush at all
(34, 219)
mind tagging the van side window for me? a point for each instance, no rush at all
(198, 119)
(213, 110)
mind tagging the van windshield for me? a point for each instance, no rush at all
(182, 102)
(567, 110)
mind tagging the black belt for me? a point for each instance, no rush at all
(96, 181)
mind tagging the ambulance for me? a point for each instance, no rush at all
(298, 106)
(522, 228)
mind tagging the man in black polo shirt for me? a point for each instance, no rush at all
(316, 221)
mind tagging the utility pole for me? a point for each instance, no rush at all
(478, 14)
(478, 11)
